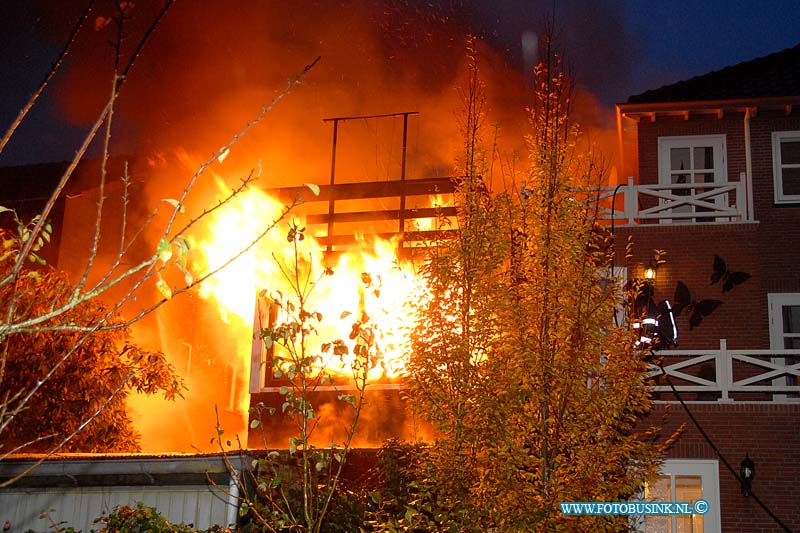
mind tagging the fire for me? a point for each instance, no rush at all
(374, 281)
(231, 230)
(209, 335)
(369, 280)
(437, 201)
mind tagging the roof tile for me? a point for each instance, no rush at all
(771, 76)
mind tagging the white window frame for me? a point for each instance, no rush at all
(775, 303)
(708, 471)
(619, 277)
(777, 166)
(720, 170)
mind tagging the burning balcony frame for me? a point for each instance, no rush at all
(334, 195)
(331, 223)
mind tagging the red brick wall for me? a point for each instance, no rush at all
(385, 415)
(761, 127)
(768, 249)
(770, 434)
(742, 316)
(731, 124)
(779, 243)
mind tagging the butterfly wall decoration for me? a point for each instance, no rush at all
(641, 301)
(698, 309)
(728, 278)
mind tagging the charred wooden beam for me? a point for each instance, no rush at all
(367, 190)
(408, 236)
(388, 214)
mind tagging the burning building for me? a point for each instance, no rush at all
(414, 60)
(386, 178)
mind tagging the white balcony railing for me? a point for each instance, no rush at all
(726, 375)
(676, 204)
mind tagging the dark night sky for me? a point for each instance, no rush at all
(679, 39)
(617, 48)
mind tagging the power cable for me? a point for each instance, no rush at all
(613, 238)
(717, 451)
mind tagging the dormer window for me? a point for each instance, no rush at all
(786, 166)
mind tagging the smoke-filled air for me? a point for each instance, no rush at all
(207, 71)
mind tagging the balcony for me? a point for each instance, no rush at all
(687, 203)
(727, 376)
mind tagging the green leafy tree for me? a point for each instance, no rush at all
(516, 360)
(451, 343)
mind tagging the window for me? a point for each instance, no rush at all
(784, 323)
(261, 370)
(687, 160)
(617, 276)
(684, 480)
(786, 166)
(784, 333)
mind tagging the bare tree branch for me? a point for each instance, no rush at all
(59, 61)
(20, 317)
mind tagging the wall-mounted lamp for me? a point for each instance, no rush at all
(650, 271)
(747, 471)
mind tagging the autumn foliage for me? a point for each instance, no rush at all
(87, 388)
(516, 359)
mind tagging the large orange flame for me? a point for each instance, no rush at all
(368, 279)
